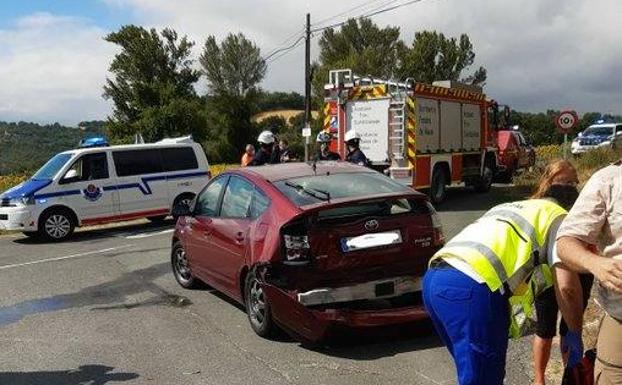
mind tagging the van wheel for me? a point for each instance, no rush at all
(438, 186)
(56, 225)
(181, 268)
(183, 199)
(258, 308)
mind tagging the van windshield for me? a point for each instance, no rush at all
(598, 131)
(52, 167)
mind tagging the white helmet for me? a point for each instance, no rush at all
(266, 137)
(352, 135)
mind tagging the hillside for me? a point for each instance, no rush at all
(26, 146)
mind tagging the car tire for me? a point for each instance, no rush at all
(257, 307)
(181, 268)
(181, 199)
(438, 186)
(485, 181)
(56, 225)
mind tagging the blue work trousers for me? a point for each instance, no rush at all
(472, 321)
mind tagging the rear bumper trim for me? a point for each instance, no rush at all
(362, 291)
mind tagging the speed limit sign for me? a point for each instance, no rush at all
(566, 121)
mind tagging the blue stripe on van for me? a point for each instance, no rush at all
(144, 188)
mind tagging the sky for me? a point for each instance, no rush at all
(539, 55)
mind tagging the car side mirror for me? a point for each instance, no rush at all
(580, 134)
(181, 210)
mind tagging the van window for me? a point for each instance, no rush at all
(179, 158)
(137, 162)
(618, 128)
(236, 202)
(89, 167)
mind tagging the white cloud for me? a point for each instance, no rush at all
(539, 54)
(53, 69)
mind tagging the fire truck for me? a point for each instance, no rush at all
(426, 136)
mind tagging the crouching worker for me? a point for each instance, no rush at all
(470, 282)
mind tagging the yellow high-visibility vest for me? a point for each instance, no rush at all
(506, 247)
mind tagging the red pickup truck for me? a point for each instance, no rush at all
(515, 154)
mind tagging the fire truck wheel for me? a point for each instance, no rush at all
(485, 181)
(438, 186)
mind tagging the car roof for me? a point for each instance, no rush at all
(143, 146)
(282, 171)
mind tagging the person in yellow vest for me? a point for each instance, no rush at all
(492, 267)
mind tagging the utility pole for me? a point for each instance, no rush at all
(307, 83)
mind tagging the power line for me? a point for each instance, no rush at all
(285, 48)
(345, 12)
(372, 13)
(290, 38)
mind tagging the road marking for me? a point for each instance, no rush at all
(71, 256)
(146, 235)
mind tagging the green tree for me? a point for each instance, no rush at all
(233, 70)
(432, 56)
(152, 86)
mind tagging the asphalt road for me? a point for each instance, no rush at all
(104, 308)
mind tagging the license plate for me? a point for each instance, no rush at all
(368, 241)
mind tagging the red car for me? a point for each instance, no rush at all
(515, 153)
(306, 247)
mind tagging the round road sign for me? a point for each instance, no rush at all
(566, 121)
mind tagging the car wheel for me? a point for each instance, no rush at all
(181, 268)
(183, 199)
(438, 186)
(485, 181)
(56, 225)
(258, 308)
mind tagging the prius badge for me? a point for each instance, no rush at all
(371, 225)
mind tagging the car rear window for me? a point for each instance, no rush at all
(313, 189)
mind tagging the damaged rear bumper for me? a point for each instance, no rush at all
(311, 315)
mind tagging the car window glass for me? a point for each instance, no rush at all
(179, 158)
(137, 162)
(618, 128)
(236, 202)
(207, 201)
(90, 167)
(260, 204)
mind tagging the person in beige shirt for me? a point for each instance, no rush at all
(590, 240)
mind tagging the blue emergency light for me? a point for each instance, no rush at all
(97, 141)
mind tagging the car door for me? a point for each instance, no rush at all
(141, 182)
(231, 232)
(87, 177)
(199, 230)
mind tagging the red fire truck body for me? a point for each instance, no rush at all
(425, 136)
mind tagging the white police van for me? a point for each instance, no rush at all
(102, 184)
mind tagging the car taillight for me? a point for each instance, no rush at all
(438, 235)
(296, 249)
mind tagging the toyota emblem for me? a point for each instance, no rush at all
(371, 225)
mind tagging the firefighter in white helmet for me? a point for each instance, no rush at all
(355, 155)
(266, 144)
(324, 153)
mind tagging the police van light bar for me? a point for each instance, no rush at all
(94, 142)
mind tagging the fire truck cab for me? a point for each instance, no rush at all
(425, 136)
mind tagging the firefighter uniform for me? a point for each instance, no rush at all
(481, 286)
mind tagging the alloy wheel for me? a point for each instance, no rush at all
(57, 226)
(257, 302)
(181, 265)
